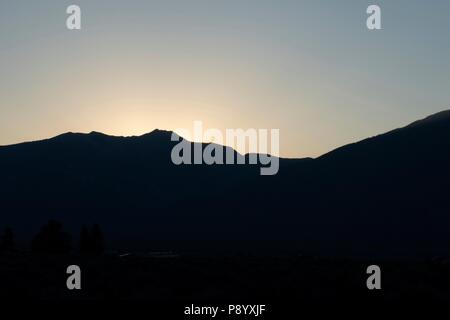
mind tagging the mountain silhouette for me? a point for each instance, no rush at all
(383, 196)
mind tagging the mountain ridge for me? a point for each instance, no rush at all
(438, 117)
(386, 195)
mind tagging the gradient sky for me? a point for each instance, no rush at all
(309, 68)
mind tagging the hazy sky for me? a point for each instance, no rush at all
(310, 68)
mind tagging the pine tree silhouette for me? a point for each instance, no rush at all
(52, 239)
(91, 242)
(97, 240)
(85, 240)
(7, 240)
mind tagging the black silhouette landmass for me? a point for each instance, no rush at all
(384, 196)
(170, 236)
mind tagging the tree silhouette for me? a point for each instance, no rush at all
(85, 240)
(97, 240)
(91, 242)
(7, 240)
(52, 239)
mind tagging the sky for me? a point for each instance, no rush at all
(309, 68)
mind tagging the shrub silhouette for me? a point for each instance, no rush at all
(52, 239)
(7, 240)
(91, 242)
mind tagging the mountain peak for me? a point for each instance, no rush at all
(96, 133)
(157, 133)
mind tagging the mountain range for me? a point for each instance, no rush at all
(387, 195)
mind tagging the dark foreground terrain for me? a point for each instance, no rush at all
(281, 283)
